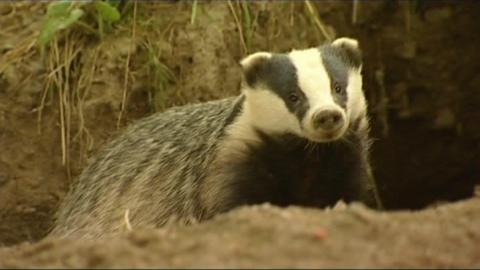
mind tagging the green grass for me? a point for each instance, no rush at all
(160, 77)
(63, 15)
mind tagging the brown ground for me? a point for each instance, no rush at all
(428, 146)
(267, 236)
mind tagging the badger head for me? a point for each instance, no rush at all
(314, 93)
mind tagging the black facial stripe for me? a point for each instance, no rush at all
(337, 68)
(349, 56)
(280, 76)
(340, 99)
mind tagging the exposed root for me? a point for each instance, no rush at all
(314, 14)
(22, 51)
(239, 26)
(127, 66)
(62, 71)
(83, 86)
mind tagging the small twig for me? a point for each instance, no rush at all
(67, 92)
(85, 82)
(317, 20)
(127, 65)
(239, 26)
(55, 58)
(88, 28)
(42, 105)
(292, 13)
(21, 52)
(127, 220)
(172, 21)
(355, 11)
(194, 12)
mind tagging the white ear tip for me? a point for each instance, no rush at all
(253, 58)
(344, 41)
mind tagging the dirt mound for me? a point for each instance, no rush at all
(267, 236)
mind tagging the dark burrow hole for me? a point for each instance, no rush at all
(417, 167)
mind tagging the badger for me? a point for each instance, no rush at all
(297, 134)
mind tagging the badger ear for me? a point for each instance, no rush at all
(350, 50)
(346, 42)
(253, 66)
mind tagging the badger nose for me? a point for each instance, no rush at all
(327, 119)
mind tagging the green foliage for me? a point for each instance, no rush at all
(56, 9)
(107, 12)
(64, 14)
(248, 24)
(194, 12)
(60, 15)
(160, 76)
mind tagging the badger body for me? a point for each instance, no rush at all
(296, 135)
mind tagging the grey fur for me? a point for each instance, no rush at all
(153, 170)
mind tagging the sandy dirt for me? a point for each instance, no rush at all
(267, 236)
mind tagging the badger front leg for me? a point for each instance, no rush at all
(362, 187)
(239, 176)
(360, 182)
(224, 186)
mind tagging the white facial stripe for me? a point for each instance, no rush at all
(268, 112)
(314, 81)
(356, 103)
(313, 78)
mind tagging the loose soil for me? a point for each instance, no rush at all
(267, 236)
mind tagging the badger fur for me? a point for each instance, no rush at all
(296, 135)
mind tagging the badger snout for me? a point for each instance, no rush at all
(328, 120)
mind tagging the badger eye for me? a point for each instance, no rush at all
(337, 88)
(293, 97)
